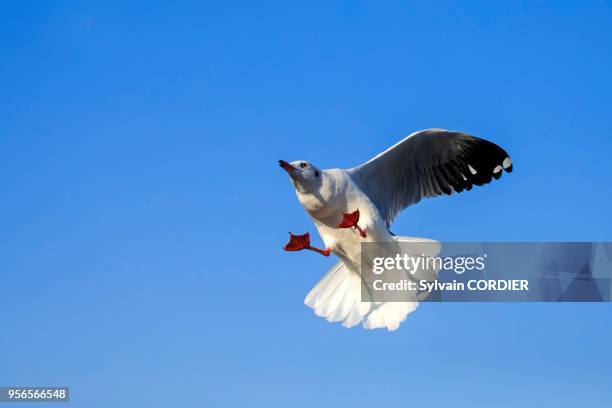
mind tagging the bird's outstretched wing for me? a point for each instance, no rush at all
(428, 163)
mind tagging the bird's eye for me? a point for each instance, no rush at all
(303, 165)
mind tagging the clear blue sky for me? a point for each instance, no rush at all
(143, 212)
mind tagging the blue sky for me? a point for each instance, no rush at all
(143, 212)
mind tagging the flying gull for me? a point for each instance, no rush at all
(351, 206)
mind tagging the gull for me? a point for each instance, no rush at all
(351, 206)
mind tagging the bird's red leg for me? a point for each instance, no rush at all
(350, 220)
(324, 252)
(299, 242)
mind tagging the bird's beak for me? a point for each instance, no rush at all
(288, 167)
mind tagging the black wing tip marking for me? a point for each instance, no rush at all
(478, 163)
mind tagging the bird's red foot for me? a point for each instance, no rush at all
(299, 242)
(350, 220)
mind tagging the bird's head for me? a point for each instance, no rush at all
(305, 176)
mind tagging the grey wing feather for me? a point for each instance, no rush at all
(428, 163)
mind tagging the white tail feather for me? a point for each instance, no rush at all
(389, 315)
(337, 297)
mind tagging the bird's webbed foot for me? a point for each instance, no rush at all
(351, 220)
(300, 242)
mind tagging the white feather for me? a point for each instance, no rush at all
(337, 297)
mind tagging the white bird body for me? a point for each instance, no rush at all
(339, 194)
(425, 164)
